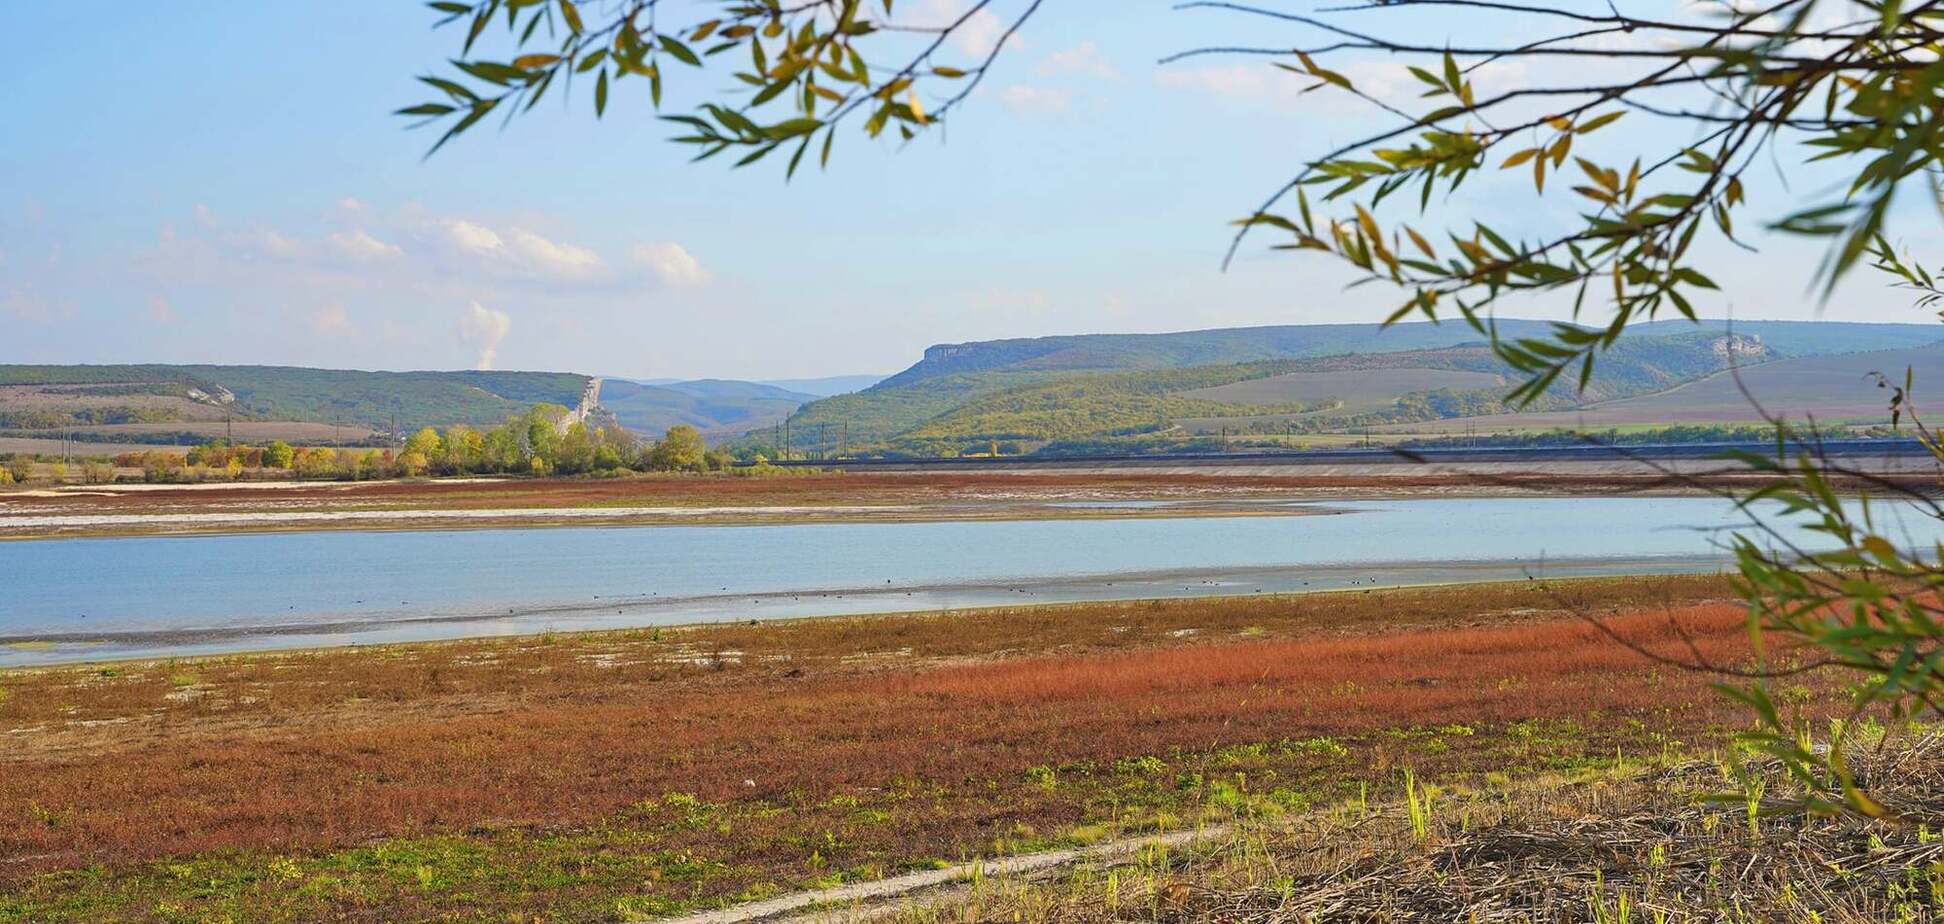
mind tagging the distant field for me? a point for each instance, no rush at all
(293, 431)
(68, 398)
(52, 447)
(1832, 388)
(109, 439)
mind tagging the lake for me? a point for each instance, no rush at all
(72, 599)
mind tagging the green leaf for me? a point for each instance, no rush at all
(680, 51)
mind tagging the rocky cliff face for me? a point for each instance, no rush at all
(1739, 346)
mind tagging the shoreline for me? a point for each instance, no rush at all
(28, 652)
(113, 511)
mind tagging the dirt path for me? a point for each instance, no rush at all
(863, 900)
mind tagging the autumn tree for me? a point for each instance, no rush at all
(680, 450)
(279, 454)
(427, 444)
(465, 449)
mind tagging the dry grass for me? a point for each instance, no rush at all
(1654, 844)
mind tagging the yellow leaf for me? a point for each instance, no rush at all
(1518, 158)
(917, 108)
(1880, 547)
(1368, 223)
(1421, 243)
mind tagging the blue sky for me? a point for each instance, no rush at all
(209, 181)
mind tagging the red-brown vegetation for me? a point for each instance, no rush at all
(784, 729)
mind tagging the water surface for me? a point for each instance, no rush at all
(67, 599)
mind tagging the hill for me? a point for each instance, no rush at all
(1833, 389)
(717, 407)
(1250, 344)
(1289, 379)
(826, 386)
(171, 403)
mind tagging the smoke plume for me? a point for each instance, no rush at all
(484, 328)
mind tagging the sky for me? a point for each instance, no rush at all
(223, 182)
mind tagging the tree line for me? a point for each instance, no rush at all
(544, 440)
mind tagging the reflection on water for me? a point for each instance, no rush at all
(138, 596)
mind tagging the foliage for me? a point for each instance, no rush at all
(680, 450)
(805, 72)
(279, 454)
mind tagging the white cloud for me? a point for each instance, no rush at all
(519, 253)
(331, 321)
(478, 239)
(551, 258)
(1084, 59)
(976, 37)
(1030, 100)
(1234, 82)
(671, 263)
(483, 328)
(360, 245)
(273, 244)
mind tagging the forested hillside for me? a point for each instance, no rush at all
(285, 393)
(1100, 391)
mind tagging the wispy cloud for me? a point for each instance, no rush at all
(671, 263)
(976, 37)
(1031, 100)
(1084, 59)
(331, 321)
(358, 244)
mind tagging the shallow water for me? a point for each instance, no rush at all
(70, 599)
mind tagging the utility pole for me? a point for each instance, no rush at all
(786, 439)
